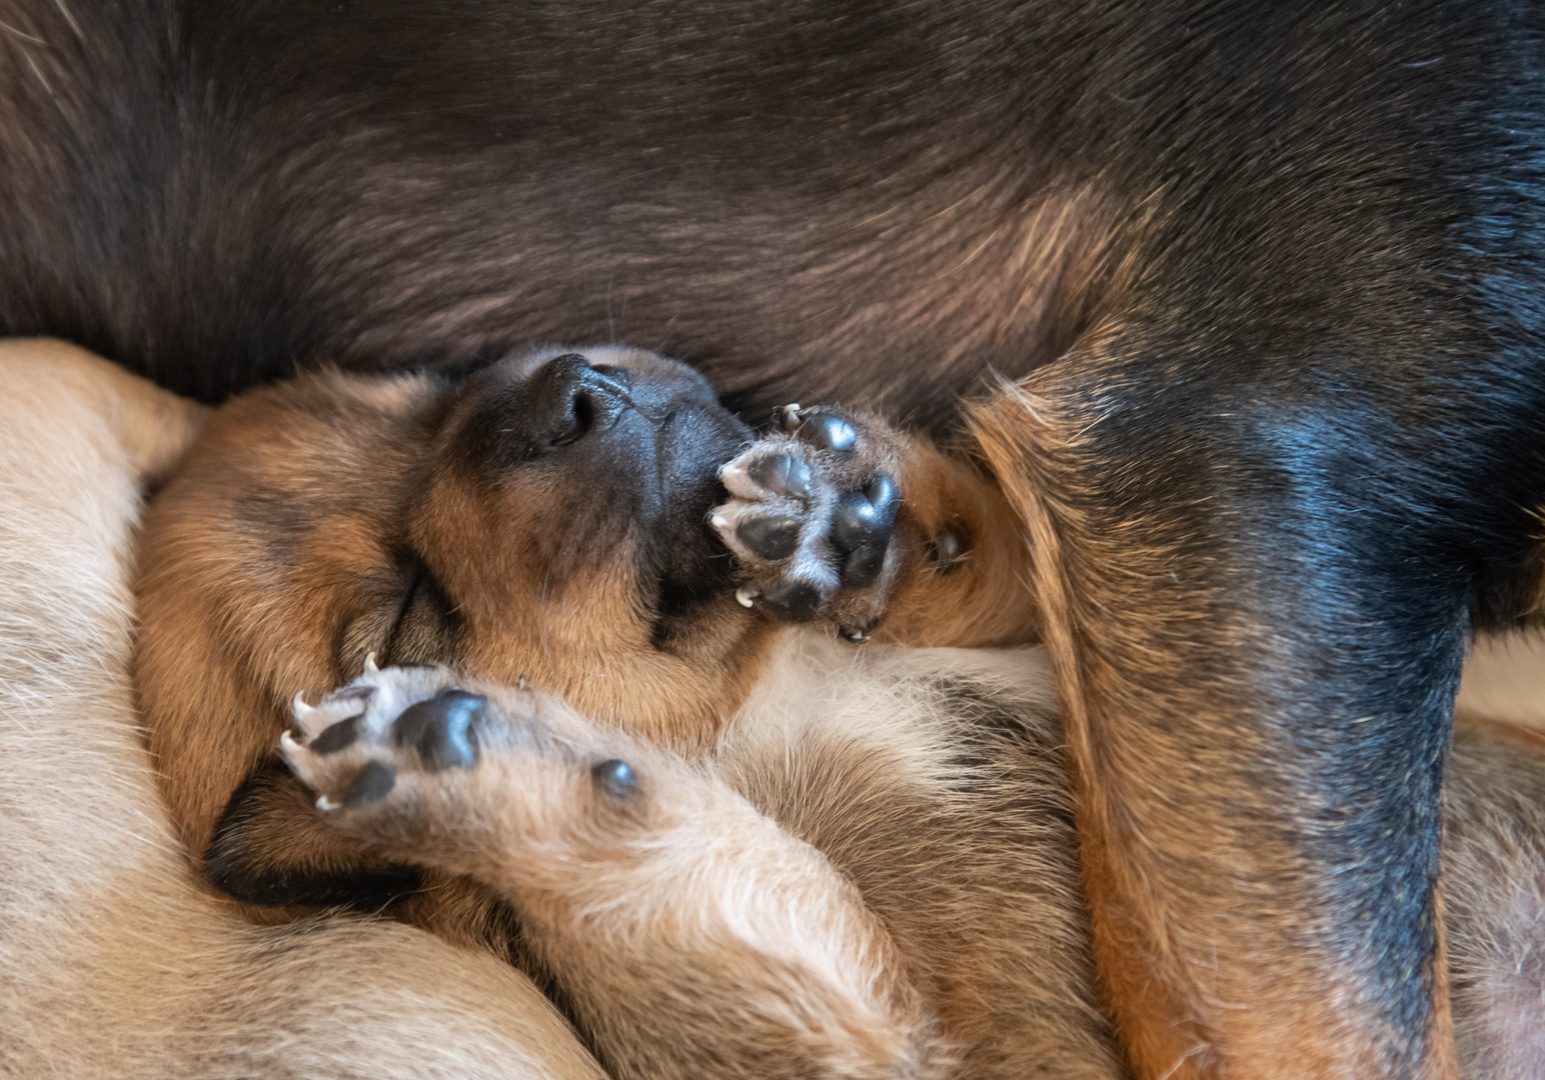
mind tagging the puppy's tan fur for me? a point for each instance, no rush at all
(269, 571)
(952, 930)
(115, 961)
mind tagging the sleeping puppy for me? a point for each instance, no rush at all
(1261, 282)
(544, 520)
(573, 727)
(116, 963)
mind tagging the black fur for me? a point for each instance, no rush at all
(269, 801)
(1300, 267)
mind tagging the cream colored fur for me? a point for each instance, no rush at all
(113, 962)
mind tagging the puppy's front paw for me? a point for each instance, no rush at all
(394, 758)
(812, 518)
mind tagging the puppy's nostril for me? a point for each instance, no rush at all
(570, 398)
(582, 414)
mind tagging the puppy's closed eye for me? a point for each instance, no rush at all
(423, 627)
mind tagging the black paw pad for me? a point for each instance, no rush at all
(862, 566)
(615, 777)
(340, 736)
(374, 781)
(865, 516)
(794, 601)
(441, 729)
(770, 537)
(782, 474)
(828, 433)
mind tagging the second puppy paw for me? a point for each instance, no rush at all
(812, 518)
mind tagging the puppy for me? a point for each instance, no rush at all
(543, 520)
(730, 850)
(1261, 282)
(115, 962)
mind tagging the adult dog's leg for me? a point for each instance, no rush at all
(692, 936)
(1257, 598)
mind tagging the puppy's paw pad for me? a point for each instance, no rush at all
(351, 746)
(811, 516)
(442, 729)
(823, 429)
(772, 474)
(373, 782)
(615, 778)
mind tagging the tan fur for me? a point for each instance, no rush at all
(229, 638)
(114, 960)
(231, 634)
(1126, 772)
(1494, 824)
(988, 599)
(857, 883)
(937, 939)
(580, 638)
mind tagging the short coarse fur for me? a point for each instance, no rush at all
(116, 961)
(427, 519)
(905, 907)
(1268, 276)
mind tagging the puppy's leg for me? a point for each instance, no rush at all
(1257, 687)
(1494, 895)
(838, 517)
(691, 935)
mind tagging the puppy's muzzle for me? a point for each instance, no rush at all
(570, 398)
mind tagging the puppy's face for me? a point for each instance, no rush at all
(544, 518)
(559, 530)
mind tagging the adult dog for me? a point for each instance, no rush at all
(730, 849)
(1265, 278)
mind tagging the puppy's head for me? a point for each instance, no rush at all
(558, 529)
(543, 518)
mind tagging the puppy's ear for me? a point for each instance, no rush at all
(271, 848)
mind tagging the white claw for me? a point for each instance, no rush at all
(790, 416)
(746, 595)
(288, 745)
(299, 707)
(370, 664)
(719, 521)
(325, 804)
(737, 481)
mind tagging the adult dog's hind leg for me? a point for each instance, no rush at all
(1257, 603)
(690, 934)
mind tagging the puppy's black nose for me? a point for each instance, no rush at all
(569, 398)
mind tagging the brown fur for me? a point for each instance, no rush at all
(1293, 250)
(1085, 569)
(269, 569)
(232, 632)
(115, 960)
(342, 471)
